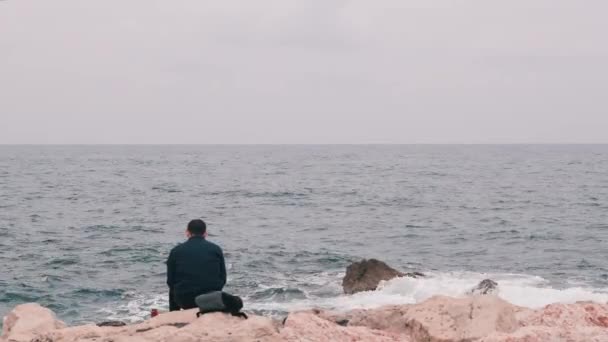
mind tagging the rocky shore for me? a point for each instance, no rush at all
(478, 316)
(440, 319)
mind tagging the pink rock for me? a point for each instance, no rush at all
(306, 326)
(219, 327)
(27, 320)
(548, 334)
(444, 318)
(570, 315)
(184, 326)
(439, 319)
(73, 334)
(583, 321)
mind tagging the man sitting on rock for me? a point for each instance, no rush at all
(194, 267)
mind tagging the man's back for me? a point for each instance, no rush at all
(195, 267)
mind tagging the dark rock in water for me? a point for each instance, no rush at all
(486, 286)
(111, 324)
(414, 275)
(365, 275)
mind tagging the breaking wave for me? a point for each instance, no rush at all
(325, 293)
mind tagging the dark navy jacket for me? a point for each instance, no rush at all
(196, 267)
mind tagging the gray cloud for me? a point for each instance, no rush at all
(280, 71)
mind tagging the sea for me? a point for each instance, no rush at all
(86, 230)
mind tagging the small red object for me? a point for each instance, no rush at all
(154, 312)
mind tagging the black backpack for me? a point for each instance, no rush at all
(219, 301)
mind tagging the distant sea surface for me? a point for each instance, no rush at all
(86, 230)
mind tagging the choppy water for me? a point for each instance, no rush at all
(86, 230)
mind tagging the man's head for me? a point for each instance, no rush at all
(197, 228)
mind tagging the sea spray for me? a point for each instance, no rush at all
(519, 289)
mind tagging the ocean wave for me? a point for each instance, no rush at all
(135, 307)
(523, 290)
(278, 294)
(167, 188)
(261, 194)
(276, 300)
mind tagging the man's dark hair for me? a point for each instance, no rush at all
(197, 227)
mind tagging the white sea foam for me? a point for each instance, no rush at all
(137, 307)
(523, 290)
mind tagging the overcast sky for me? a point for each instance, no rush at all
(308, 71)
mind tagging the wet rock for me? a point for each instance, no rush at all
(414, 275)
(486, 286)
(365, 275)
(342, 322)
(111, 324)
